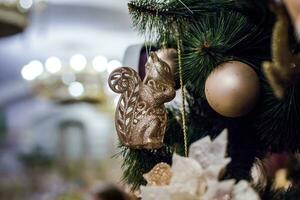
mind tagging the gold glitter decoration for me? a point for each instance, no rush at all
(284, 69)
(281, 181)
(160, 175)
(141, 117)
(183, 110)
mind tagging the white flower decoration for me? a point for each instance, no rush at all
(196, 177)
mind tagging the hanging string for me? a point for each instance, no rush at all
(186, 6)
(183, 109)
(148, 45)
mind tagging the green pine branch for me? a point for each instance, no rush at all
(157, 17)
(277, 122)
(138, 162)
(217, 38)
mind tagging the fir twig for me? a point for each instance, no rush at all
(155, 17)
(217, 38)
(278, 121)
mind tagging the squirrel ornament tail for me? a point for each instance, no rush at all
(141, 118)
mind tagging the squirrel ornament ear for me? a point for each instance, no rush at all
(141, 118)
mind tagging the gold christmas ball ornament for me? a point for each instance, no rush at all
(232, 89)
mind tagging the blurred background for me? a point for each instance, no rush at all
(57, 136)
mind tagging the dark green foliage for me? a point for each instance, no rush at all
(292, 193)
(277, 122)
(138, 162)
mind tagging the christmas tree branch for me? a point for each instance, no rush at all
(156, 17)
(217, 38)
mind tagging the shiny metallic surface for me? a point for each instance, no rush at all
(232, 89)
(141, 117)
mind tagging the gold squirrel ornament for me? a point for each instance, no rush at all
(284, 69)
(141, 118)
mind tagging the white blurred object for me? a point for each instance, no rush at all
(196, 178)
(53, 65)
(76, 89)
(79, 81)
(32, 70)
(78, 62)
(100, 63)
(26, 4)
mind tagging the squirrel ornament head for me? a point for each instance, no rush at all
(155, 67)
(141, 118)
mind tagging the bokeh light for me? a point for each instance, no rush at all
(78, 62)
(26, 4)
(100, 63)
(32, 70)
(53, 65)
(76, 89)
